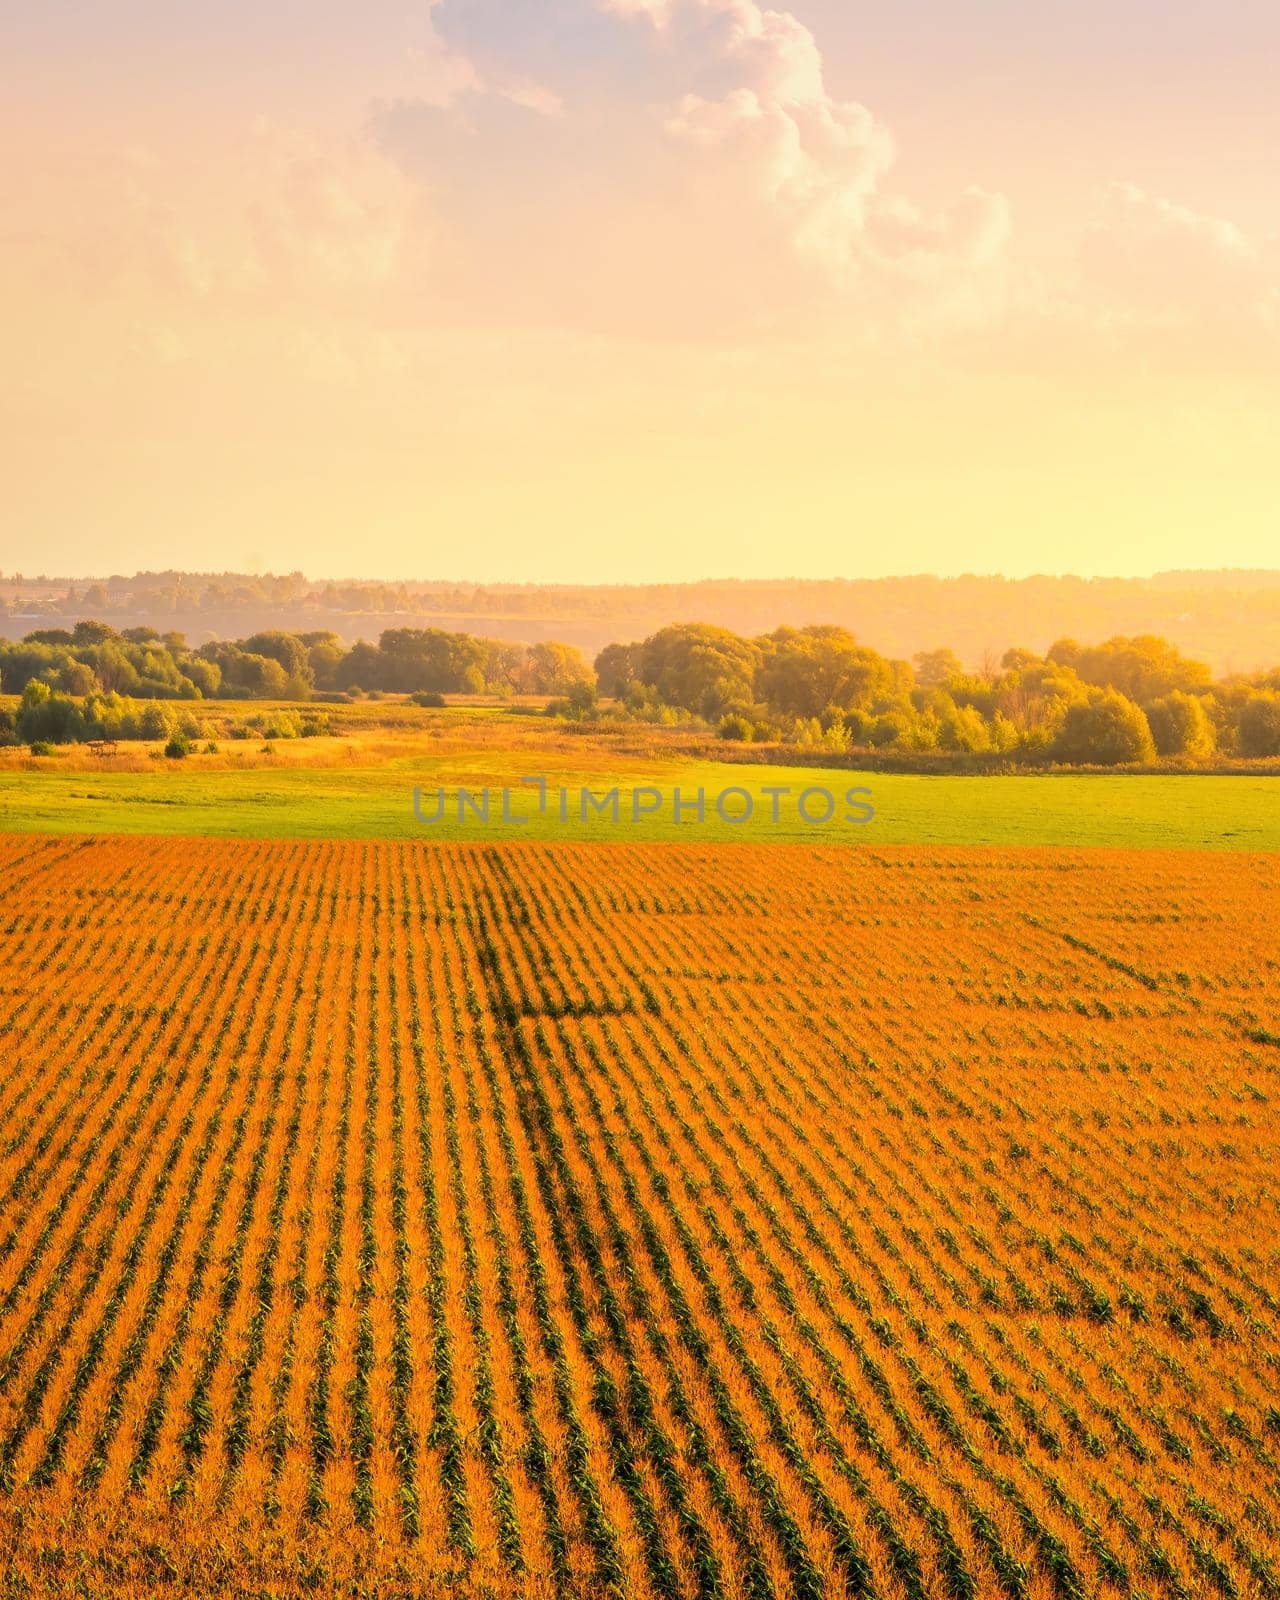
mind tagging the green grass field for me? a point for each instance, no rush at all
(371, 795)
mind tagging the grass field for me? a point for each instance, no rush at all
(363, 788)
(647, 1222)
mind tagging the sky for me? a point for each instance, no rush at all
(609, 290)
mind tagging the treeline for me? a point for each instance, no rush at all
(1129, 700)
(93, 658)
(1228, 618)
(91, 682)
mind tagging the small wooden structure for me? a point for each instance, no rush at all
(103, 747)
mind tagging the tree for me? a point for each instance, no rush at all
(803, 671)
(1144, 668)
(962, 728)
(1106, 730)
(89, 632)
(77, 677)
(934, 667)
(44, 715)
(555, 668)
(707, 670)
(205, 675)
(1258, 729)
(245, 673)
(360, 667)
(617, 668)
(503, 663)
(286, 648)
(1180, 726)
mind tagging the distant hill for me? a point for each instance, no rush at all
(1230, 619)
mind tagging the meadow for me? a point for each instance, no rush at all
(383, 1219)
(359, 783)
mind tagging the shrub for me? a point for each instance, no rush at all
(890, 728)
(178, 748)
(280, 724)
(41, 747)
(429, 698)
(962, 728)
(157, 722)
(734, 727)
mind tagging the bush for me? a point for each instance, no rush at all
(428, 698)
(157, 722)
(41, 747)
(280, 724)
(962, 728)
(178, 748)
(890, 728)
(734, 727)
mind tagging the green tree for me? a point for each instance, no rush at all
(803, 671)
(934, 667)
(1258, 728)
(617, 668)
(1106, 730)
(287, 649)
(554, 668)
(89, 632)
(1180, 726)
(1143, 668)
(44, 716)
(704, 669)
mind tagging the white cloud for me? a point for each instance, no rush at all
(821, 163)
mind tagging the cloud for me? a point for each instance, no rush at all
(821, 162)
(1149, 260)
(280, 219)
(442, 74)
(714, 147)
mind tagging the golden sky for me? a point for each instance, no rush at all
(652, 289)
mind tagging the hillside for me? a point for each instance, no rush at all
(1229, 619)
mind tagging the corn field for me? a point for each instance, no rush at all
(658, 1221)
